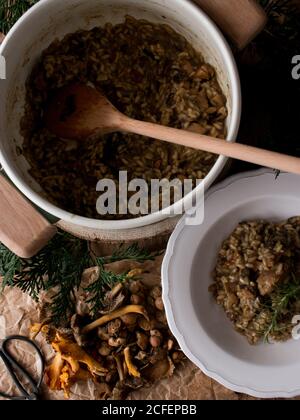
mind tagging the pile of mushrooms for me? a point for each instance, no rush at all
(127, 347)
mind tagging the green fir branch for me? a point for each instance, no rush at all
(11, 11)
(133, 252)
(106, 281)
(58, 268)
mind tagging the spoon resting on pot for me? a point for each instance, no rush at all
(79, 111)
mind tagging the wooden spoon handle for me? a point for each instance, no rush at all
(210, 144)
(241, 20)
(22, 228)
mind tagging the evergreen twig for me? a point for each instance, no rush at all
(133, 252)
(59, 267)
(279, 305)
(11, 11)
(107, 280)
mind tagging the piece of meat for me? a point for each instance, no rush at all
(267, 281)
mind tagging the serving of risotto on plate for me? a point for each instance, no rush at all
(257, 279)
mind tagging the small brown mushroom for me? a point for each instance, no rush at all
(141, 356)
(170, 344)
(136, 299)
(114, 326)
(161, 317)
(103, 334)
(129, 319)
(120, 368)
(113, 299)
(116, 342)
(110, 377)
(156, 292)
(142, 340)
(123, 333)
(155, 338)
(146, 324)
(110, 363)
(159, 304)
(136, 286)
(104, 350)
(177, 356)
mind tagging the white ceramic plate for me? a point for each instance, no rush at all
(201, 327)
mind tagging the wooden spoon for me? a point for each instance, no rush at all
(79, 111)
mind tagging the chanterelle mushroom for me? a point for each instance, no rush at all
(130, 366)
(122, 349)
(74, 355)
(113, 299)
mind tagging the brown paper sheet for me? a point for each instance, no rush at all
(18, 312)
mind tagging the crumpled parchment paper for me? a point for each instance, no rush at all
(18, 312)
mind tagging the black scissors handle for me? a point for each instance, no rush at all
(14, 367)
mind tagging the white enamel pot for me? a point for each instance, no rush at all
(51, 19)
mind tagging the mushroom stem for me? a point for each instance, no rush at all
(116, 314)
(116, 290)
(119, 368)
(131, 368)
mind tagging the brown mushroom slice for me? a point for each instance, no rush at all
(267, 281)
(74, 355)
(142, 340)
(115, 314)
(89, 276)
(35, 329)
(116, 342)
(119, 368)
(161, 369)
(76, 326)
(113, 299)
(132, 370)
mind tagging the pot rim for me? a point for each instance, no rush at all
(152, 218)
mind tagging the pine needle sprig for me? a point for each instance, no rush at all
(106, 281)
(10, 266)
(133, 252)
(58, 268)
(283, 19)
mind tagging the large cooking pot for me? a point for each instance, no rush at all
(50, 19)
